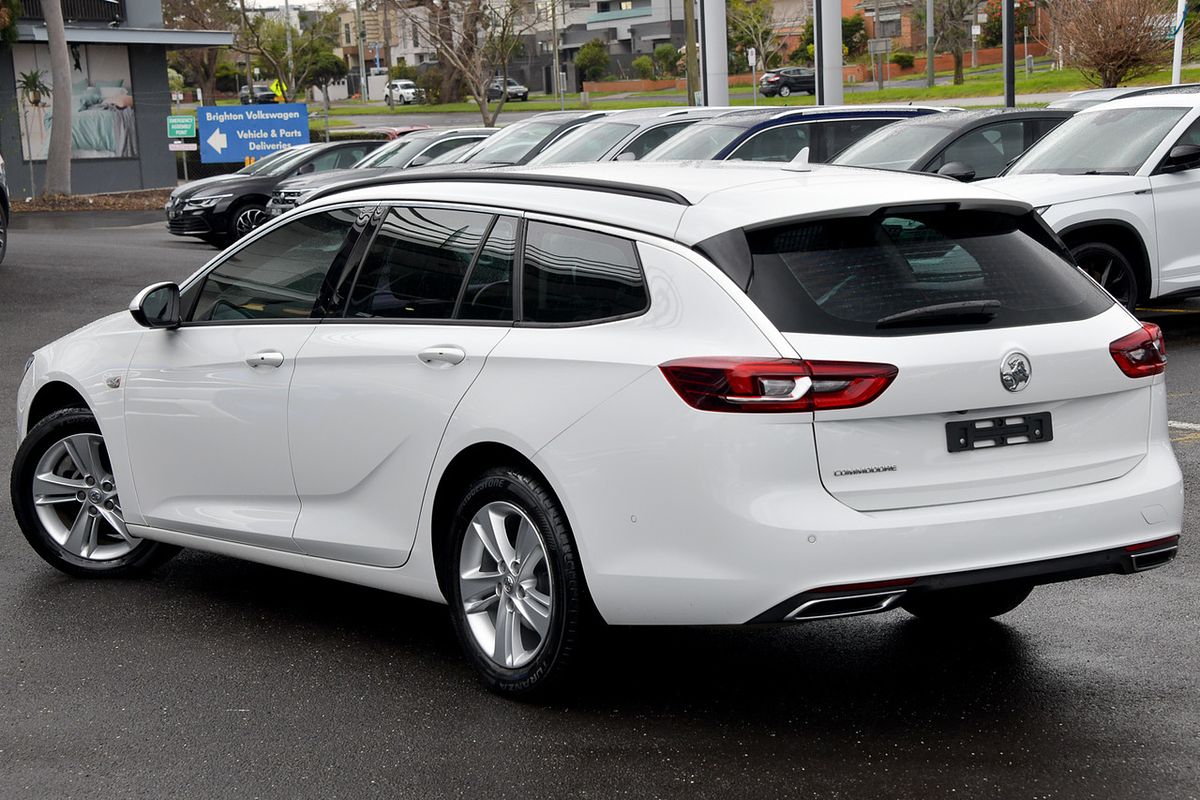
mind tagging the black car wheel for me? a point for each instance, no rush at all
(1109, 267)
(784, 91)
(245, 218)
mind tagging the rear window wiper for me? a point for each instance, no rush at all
(966, 311)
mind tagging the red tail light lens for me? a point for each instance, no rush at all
(776, 385)
(1142, 353)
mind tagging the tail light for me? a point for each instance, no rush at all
(776, 385)
(1141, 353)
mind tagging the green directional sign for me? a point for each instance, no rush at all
(181, 126)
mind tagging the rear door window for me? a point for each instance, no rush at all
(417, 263)
(652, 138)
(836, 135)
(916, 272)
(573, 276)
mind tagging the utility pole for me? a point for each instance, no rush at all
(827, 38)
(387, 38)
(362, 49)
(291, 61)
(692, 63)
(1010, 67)
(929, 41)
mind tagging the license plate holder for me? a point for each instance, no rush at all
(992, 432)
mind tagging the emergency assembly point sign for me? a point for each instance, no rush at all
(238, 133)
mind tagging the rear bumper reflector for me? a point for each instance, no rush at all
(852, 599)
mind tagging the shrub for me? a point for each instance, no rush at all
(643, 67)
(430, 82)
(903, 60)
(592, 59)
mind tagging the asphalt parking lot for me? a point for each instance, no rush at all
(218, 678)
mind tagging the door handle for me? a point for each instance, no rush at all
(442, 354)
(265, 358)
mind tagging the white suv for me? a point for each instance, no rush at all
(1120, 183)
(670, 394)
(401, 91)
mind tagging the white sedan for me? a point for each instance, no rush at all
(640, 394)
(1120, 183)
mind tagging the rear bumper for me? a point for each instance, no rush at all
(868, 598)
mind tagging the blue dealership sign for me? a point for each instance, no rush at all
(236, 133)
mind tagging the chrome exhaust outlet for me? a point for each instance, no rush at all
(845, 605)
(1149, 559)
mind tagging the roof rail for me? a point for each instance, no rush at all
(521, 178)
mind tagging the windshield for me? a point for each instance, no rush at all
(261, 166)
(284, 165)
(1113, 142)
(513, 143)
(394, 154)
(697, 142)
(893, 147)
(585, 143)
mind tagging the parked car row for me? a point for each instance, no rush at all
(1116, 181)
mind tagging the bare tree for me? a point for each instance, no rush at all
(477, 39)
(1113, 41)
(58, 158)
(952, 20)
(266, 38)
(203, 15)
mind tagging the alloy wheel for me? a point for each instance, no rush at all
(784, 91)
(75, 496)
(505, 584)
(1108, 267)
(248, 219)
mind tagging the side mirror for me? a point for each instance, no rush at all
(1181, 157)
(157, 306)
(307, 169)
(627, 156)
(421, 160)
(958, 170)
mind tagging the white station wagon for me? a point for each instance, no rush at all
(677, 394)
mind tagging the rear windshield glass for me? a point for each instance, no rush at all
(894, 274)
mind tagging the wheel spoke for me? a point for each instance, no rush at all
(528, 544)
(489, 542)
(507, 630)
(497, 519)
(116, 521)
(50, 488)
(80, 455)
(535, 615)
(478, 590)
(80, 533)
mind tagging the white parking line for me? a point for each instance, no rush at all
(1183, 426)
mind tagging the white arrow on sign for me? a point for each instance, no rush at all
(218, 141)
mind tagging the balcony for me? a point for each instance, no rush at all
(78, 10)
(609, 16)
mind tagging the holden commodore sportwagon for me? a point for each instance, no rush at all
(671, 394)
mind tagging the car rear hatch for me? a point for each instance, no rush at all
(1005, 380)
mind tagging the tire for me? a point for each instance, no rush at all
(547, 589)
(1110, 268)
(784, 91)
(3, 234)
(970, 603)
(244, 218)
(82, 538)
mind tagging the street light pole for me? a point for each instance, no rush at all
(362, 47)
(1010, 67)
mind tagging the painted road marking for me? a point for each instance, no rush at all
(1183, 426)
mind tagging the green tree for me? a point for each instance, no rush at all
(227, 78)
(854, 38)
(9, 11)
(643, 67)
(952, 21)
(666, 59)
(1024, 13)
(592, 60)
(265, 40)
(199, 65)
